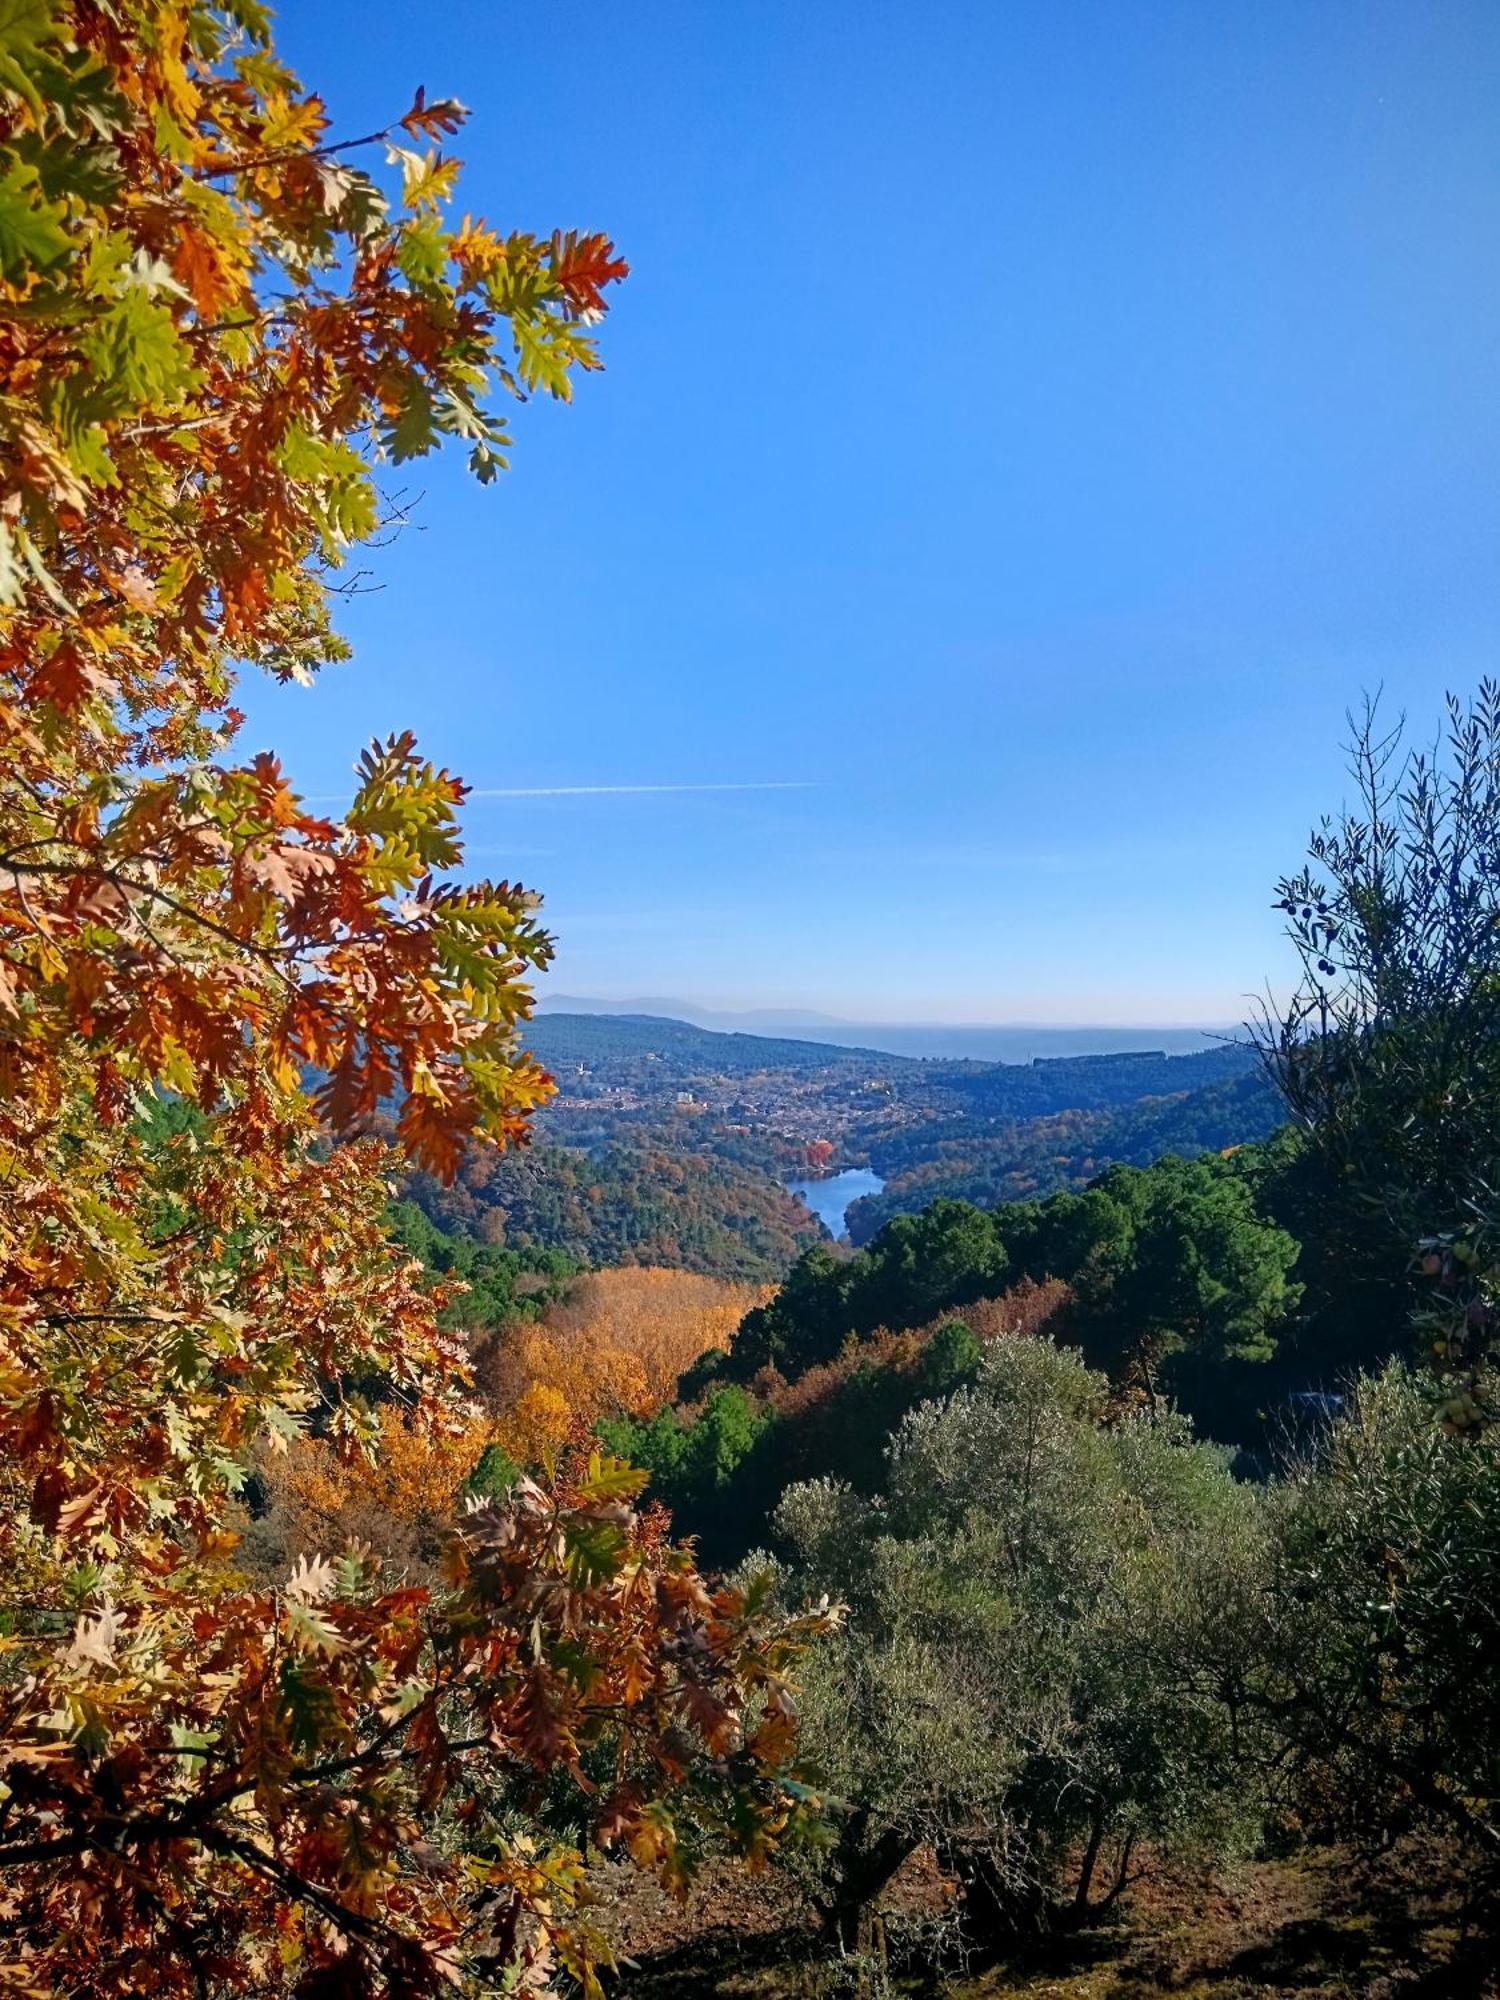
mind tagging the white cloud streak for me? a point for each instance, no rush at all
(598, 791)
(623, 791)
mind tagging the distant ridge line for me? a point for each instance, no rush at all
(918, 1041)
(816, 1049)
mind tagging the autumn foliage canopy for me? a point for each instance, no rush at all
(221, 327)
(615, 1343)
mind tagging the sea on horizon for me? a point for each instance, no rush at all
(1003, 1044)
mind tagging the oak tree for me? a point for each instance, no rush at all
(221, 327)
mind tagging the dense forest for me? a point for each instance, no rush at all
(624, 1204)
(1063, 1149)
(1178, 1280)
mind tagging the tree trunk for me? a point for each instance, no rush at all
(995, 1910)
(1122, 1873)
(863, 1871)
(1090, 1862)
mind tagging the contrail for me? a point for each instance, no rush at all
(615, 791)
(597, 791)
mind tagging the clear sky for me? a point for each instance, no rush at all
(1028, 425)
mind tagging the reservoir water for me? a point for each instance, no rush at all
(829, 1199)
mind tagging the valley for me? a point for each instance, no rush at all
(672, 1144)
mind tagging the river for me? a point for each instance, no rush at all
(829, 1199)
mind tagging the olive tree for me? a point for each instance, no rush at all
(1019, 1682)
(1380, 1649)
(1388, 1049)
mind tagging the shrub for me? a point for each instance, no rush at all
(1017, 1682)
(1381, 1636)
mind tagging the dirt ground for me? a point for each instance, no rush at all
(1318, 1927)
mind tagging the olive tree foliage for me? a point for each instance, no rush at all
(1388, 1051)
(1378, 1659)
(1020, 1682)
(1395, 919)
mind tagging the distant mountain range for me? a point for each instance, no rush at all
(1013, 1042)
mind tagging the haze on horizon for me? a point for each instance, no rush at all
(768, 1016)
(1025, 432)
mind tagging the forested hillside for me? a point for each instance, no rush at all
(1180, 1280)
(768, 1099)
(626, 1048)
(635, 1204)
(1062, 1149)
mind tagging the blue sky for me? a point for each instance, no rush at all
(1026, 429)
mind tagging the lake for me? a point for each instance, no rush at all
(829, 1199)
